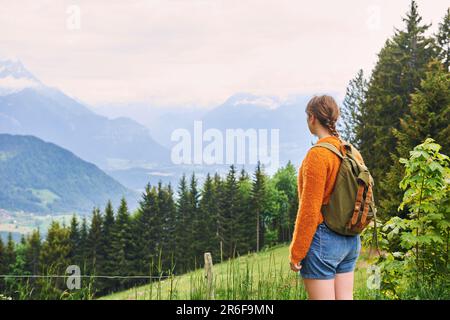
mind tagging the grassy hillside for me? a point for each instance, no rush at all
(265, 275)
(37, 176)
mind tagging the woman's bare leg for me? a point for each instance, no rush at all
(344, 286)
(320, 289)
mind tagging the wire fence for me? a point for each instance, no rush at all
(85, 276)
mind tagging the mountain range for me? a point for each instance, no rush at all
(131, 143)
(29, 107)
(41, 177)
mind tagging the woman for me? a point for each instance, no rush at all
(326, 260)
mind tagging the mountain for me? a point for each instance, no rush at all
(161, 121)
(124, 148)
(29, 107)
(14, 77)
(37, 176)
(239, 111)
(248, 111)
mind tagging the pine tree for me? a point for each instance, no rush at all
(401, 64)
(81, 253)
(33, 252)
(108, 266)
(94, 243)
(430, 112)
(443, 40)
(3, 268)
(182, 223)
(10, 253)
(195, 232)
(167, 209)
(18, 268)
(2, 257)
(148, 224)
(208, 208)
(244, 231)
(74, 240)
(22, 240)
(351, 112)
(218, 187)
(258, 201)
(429, 116)
(122, 244)
(229, 214)
(107, 237)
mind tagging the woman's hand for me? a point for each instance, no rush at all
(295, 267)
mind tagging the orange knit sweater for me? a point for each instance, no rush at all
(316, 179)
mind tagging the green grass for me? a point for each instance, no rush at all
(265, 275)
(6, 155)
(45, 196)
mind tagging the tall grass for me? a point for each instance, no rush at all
(257, 276)
(262, 276)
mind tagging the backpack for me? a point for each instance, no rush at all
(351, 207)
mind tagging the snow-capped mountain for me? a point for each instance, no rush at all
(27, 106)
(14, 77)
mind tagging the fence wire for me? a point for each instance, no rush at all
(85, 276)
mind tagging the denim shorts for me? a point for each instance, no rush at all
(330, 253)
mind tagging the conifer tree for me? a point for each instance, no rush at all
(429, 117)
(108, 266)
(74, 240)
(10, 253)
(258, 201)
(149, 224)
(245, 219)
(94, 243)
(443, 41)
(167, 209)
(81, 253)
(208, 208)
(229, 214)
(182, 231)
(351, 112)
(193, 224)
(401, 64)
(3, 268)
(122, 244)
(33, 252)
(218, 187)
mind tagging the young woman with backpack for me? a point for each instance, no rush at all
(335, 205)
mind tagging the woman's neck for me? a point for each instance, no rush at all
(323, 135)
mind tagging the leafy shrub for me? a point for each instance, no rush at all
(420, 268)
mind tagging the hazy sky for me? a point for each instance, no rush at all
(199, 52)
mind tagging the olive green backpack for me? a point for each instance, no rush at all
(351, 207)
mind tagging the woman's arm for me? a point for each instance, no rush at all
(314, 178)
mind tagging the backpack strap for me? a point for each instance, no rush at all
(358, 202)
(366, 204)
(330, 147)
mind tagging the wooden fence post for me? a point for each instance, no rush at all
(209, 275)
